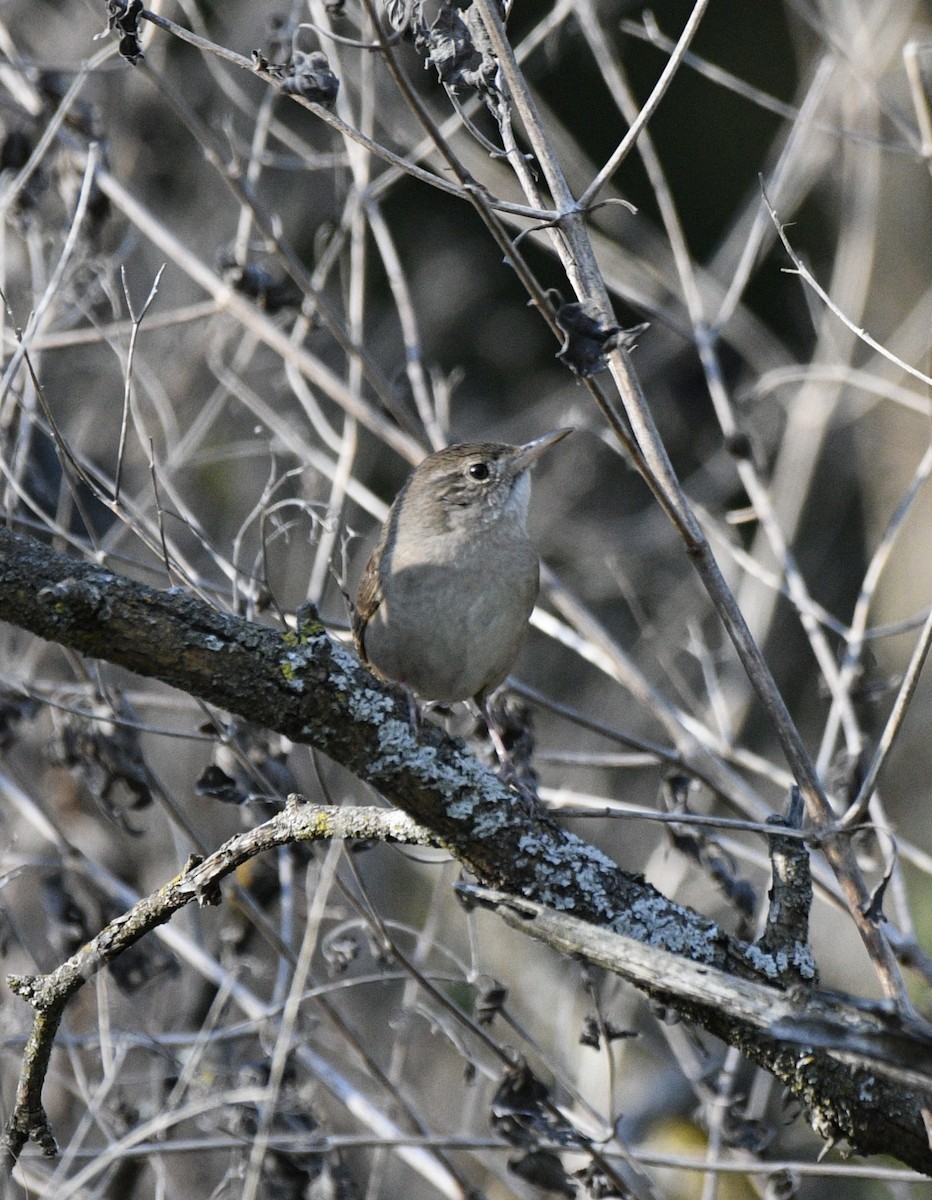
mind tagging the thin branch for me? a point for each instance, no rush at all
(136, 321)
(893, 727)
(807, 277)
(650, 105)
(199, 881)
(875, 1043)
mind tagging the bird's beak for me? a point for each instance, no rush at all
(530, 452)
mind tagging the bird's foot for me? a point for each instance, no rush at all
(509, 726)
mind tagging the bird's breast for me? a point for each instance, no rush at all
(451, 619)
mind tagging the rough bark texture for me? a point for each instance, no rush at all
(310, 688)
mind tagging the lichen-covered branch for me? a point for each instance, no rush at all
(845, 1060)
(313, 690)
(787, 933)
(310, 688)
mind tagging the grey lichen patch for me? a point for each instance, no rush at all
(591, 860)
(463, 771)
(804, 962)
(656, 922)
(475, 795)
(487, 817)
(344, 663)
(592, 873)
(764, 963)
(538, 850)
(553, 890)
(210, 642)
(395, 739)
(398, 749)
(567, 874)
(796, 962)
(371, 707)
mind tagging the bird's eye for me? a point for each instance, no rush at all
(479, 470)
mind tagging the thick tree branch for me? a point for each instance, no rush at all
(310, 688)
(868, 1049)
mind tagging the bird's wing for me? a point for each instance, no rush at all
(368, 600)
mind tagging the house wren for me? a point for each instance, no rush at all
(445, 598)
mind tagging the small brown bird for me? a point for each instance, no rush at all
(444, 601)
